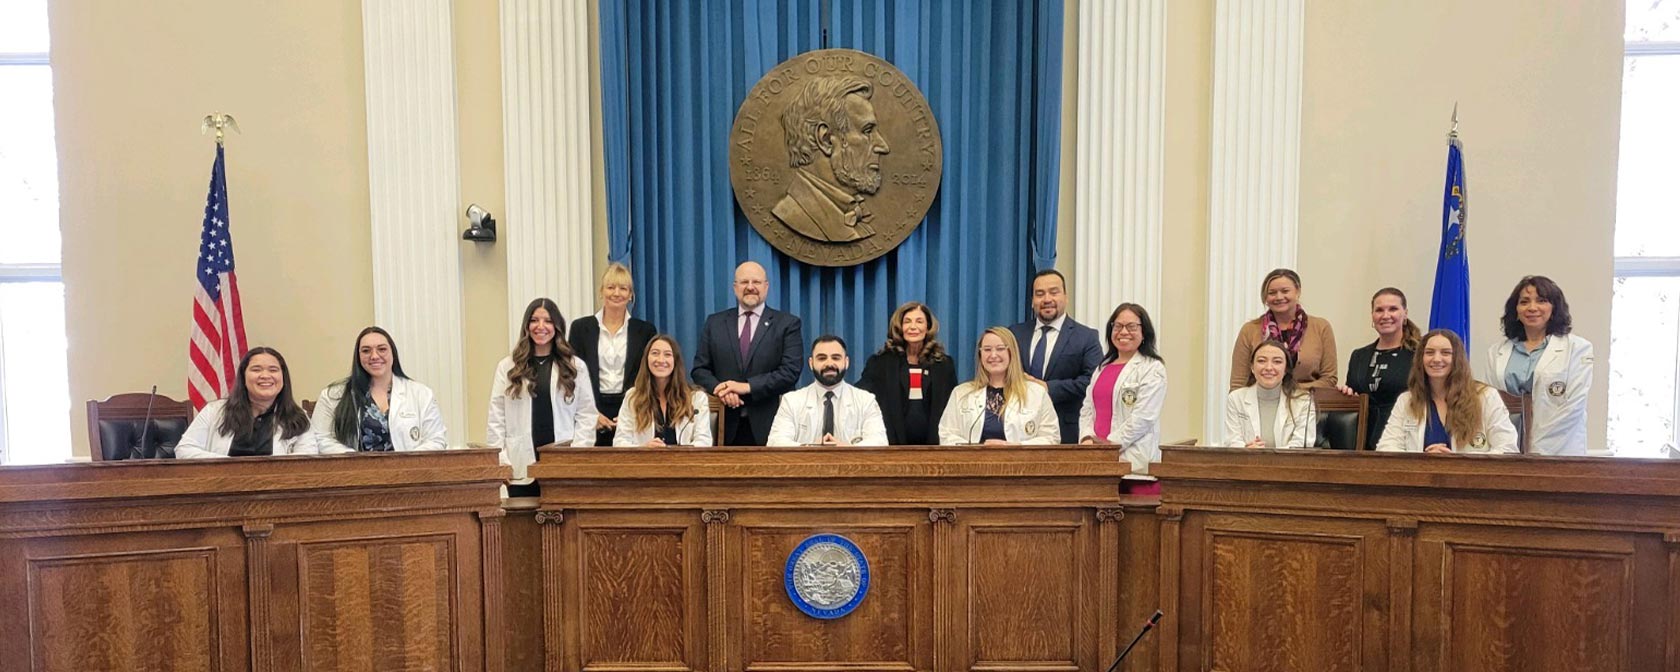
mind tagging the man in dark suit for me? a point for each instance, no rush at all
(1058, 350)
(749, 356)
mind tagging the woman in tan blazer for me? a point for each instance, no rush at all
(1309, 339)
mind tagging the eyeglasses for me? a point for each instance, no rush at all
(1127, 327)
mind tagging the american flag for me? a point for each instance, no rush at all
(218, 335)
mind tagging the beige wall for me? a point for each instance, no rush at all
(132, 82)
(1539, 93)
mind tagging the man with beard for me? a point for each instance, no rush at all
(835, 147)
(829, 411)
(1058, 350)
(748, 358)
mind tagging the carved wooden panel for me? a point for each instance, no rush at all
(1536, 600)
(887, 629)
(635, 596)
(1284, 602)
(379, 604)
(1500, 616)
(1029, 590)
(1280, 592)
(157, 610)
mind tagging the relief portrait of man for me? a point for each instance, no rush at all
(835, 148)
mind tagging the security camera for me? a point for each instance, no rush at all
(482, 227)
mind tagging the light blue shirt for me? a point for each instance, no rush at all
(1519, 369)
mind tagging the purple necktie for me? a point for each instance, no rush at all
(746, 337)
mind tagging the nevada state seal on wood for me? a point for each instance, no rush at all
(835, 157)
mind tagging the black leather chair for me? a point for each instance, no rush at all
(1341, 419)
(115, 426)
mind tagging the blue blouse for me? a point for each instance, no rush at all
(1435, 431)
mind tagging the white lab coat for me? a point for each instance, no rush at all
(415, 420)
(692, 430)
(1296, 425)
(203, 437)
(1562, 379)
(510, 417)
(1029, 421)
(1404, 432)
(857, 417)
(1139, 394)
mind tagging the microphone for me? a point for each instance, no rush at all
(974, 440)
(1147, 626)
(145, 427)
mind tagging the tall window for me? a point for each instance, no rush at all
(34, 385)
(1645, 318)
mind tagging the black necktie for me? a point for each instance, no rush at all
(828, 413)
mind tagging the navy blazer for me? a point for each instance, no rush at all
(1067, 370)
(774, 363)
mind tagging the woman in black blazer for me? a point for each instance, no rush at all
(610, 343)
(911, 377)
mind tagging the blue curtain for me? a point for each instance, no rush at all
(673, 74)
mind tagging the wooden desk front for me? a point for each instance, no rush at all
(981, 558)
(356, 562)
(1322, 560)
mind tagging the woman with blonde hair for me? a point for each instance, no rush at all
(541, 395)
(663, 408)
(1001, 405)
(1445, 409)
(611, 343)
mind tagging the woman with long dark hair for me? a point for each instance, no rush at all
(662, 408)
(1379, 370)
(911, 377)
(260, 415)
(540, 395)
(1541, 357)
(1123, 403)
(1273, 410)
(377, 407)
(1444, 408)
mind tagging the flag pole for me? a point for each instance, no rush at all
(220, 122)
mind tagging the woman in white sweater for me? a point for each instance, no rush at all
(1445, 409)
(1272, 411)
(258, 417)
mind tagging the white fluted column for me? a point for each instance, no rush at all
(414, 185)
(1255, 180)
(547, 139)
(1122, 89)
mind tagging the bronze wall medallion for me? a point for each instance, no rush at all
(835, 157)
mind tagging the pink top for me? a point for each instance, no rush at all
(1103, 398)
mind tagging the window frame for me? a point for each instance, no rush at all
(1653, 267)
(22, 272)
